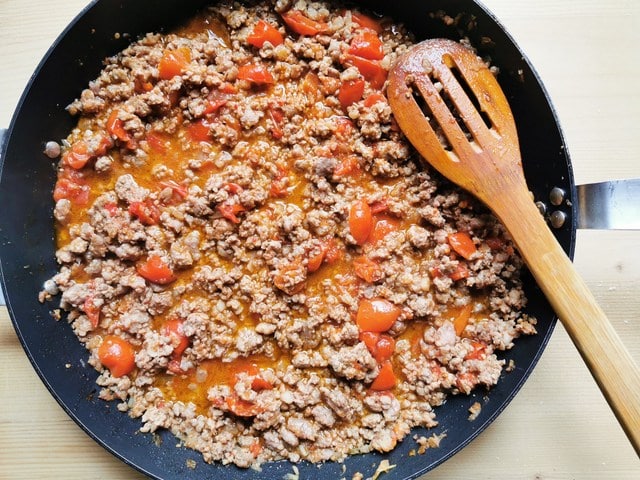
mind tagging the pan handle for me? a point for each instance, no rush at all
(613, 205)
(610, 205)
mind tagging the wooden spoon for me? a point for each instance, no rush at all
(477, 148)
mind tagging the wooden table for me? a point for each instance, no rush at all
(559, 426)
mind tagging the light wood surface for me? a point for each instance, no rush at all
(559, 426)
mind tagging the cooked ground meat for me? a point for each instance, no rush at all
(254, 256)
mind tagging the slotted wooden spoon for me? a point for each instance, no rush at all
(452, 109)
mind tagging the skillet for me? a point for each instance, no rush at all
(26, 230)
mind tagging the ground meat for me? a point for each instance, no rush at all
(283, 276)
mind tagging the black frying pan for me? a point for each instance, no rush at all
(27, 245)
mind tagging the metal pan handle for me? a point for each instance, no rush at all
(613, 205)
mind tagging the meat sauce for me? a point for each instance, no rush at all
(249, 221)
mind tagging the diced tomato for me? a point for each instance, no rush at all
(375, 97)
(370, 339)
(385, 346)
(91, 311)
(227, 87)
(280, 184)
(140, 85)
(347, 166)
(460, 272)
(478, 352)
(255, 73)
(199, 131)
(366, 44)
(303, 25)
(156, 270)
(310, 85)
(242, 408)
(75, 191)
(367, 269)
(112, 208)
(366, 21)
(174, 62)
(146, 212)
(462, 319)
(78, 155)
(383, 227)
(117, 355)
(230, 211)
(334, 253)
(178, 189)
(360, 221)
(376, 314)
(173, 329)
(379, 206)
(276, 115)
(232, 188)
(115, 127)
(256, 448)
(264, 32)
(371, 70)
(258, 384)
(386, 379)
(215, 101)
(157, 142)
(462, 244)
(344, 127)
(350, 92)
(315, 260)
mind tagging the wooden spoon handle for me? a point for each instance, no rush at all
(610, 363)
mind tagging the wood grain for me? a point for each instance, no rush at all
(559, 426)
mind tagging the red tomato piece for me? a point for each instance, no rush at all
(179, 341)
(334, 251)
(316, 258)
(255, 73)
(146, 212)
(78, 155)
(462, 244)
(367, 269)
(178, 189)
(462, 319)
(350, 92)
(230, 211)
(459, 273)
(117, 355)
(376, 314)
(370, 339)
(478, 352)
(366, 44)
(371, 70)
(157, 142)
(91, 311)
(75, 191)
(276, 115)
(174, 62)
(360, 221)
(386, 379)
(115, 127)
(264, 32)
(385, 346)
(242, 408)
(156, 270)
(347, 166)
(303, 25)
(383, 227)
(199, 131)
(366, 21)
(375, 97)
